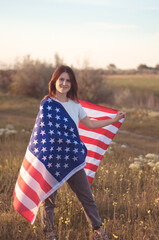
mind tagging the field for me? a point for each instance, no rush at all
(126, 186)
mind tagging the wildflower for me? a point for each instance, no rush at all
(115, 236)
(149, 211)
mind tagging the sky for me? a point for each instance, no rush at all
(99, 32)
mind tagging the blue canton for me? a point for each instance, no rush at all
(55, 140)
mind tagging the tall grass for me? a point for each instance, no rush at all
(128, 200)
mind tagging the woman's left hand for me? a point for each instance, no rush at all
(120, 115)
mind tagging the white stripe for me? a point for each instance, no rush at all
(93, 161)
(27, 202)
(95, 135)
(111, 128)
(96, 113)
(39, 166)
(31, 182)
(89, 172)
(95, 148)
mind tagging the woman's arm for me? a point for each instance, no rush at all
(90, 123)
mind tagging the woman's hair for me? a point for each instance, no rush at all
(72, 94)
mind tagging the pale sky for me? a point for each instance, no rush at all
(122, 32)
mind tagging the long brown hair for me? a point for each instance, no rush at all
(72, 94)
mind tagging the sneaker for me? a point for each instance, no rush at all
(51, 236)
(99, 234)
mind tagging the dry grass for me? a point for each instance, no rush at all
(128, 200)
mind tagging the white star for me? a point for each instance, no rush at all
(44, 149)
(73, 135)
(60, 140)
(41, 115)
(35, 141)
(42, 132)
(51, 132)
(41, 107)
(36, 150)
(49, 115)
(36, 125)
(49, 100)
(66, 165)
(57, 117)
(57, 125)
(51, 149)
(50, 123)
(65, 126)
(82, 143)
(58, 157)
(43, 141)
(50, 156)
(49, 165)
(68, 141)
(52, 140)
(35, 134)
(57, 109)
(67, 149)
(57, 165)
(59, 133)
(65, 119)
(82, 151)
(75, 142)
(59, 149)
(72, 129)
(42, 124)
(66, 157)
(75, 159)
(57, 174)
(66, 134)
(49, 108)
(75, 150)
(44, 158)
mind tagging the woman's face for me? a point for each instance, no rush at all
(63, 83)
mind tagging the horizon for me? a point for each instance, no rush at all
(100, 32)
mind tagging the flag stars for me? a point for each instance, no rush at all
(51, 132)
(82, 151)
(57, 117)
(36, 150)
(35, 142)
(75, 159)
(57, 174)
(35, 133)
(49, 165)
(44, 158)
(59, 149)
(57, 165)
(66, 165)
(42, 132)
(68, 141)
(43, 149)
(43, 141)
(66, 157)
(65, 119)
(58, 157)
(75, 150)
(49, 108)
(49, 115)
(51, 149)
(72, 129)
(57, 125)
(73, 135)
(57, 110)
(50, 157)
(75, 142)
(52, 140)
(49, 100)
(67, 149)
(41, 115)
(41, 108)
(65, 126)
(42, 124)
(60, 140)
(66, 134)
(59, 133)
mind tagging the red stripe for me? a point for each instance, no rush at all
(36, 175)
(24, 211)
(95, 142)
(93, 106)
(94, 155)
(28, 191)
(101, 131)
(90, 179)
(91, 167)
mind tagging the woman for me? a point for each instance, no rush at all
(63, 90)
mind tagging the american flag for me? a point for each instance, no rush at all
(56, 151)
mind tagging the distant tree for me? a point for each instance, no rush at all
(112, 67)
(58, 60)
(157, 66)
(142, 67)
(31, 77)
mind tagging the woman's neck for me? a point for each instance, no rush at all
(61, 97)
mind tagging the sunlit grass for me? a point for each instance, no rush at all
(127, 199)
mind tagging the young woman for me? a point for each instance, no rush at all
(63, 90)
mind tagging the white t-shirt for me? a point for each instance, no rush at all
(74, 109)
